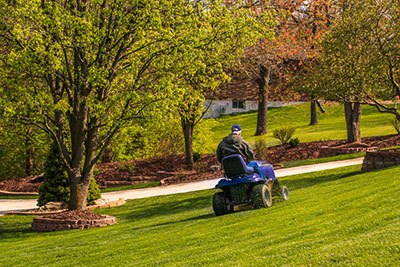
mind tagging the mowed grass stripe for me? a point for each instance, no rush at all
(339, 217)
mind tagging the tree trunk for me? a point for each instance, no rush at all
(28, 153)
(313, 114)
(188, 136)
(353, 115)
(78, 191)
(262, 116)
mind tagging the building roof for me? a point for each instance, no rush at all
(246, 89)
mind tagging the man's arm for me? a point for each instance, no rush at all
(248, 151)
(219, 153)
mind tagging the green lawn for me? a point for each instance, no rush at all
(331, 124)
(340, 217)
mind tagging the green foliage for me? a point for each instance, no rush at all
(56, 182)
(18, 144)
(360, 55)
(196, 156)
(127, 167)
(333, 218)
(93, 192)
(396, 125)
(261, 149)
(293, 142)
(85, 69)
(283, 134)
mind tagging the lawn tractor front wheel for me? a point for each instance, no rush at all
(261, 196)
(221, 204)
(285, 193)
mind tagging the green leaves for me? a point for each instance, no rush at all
(359, 53)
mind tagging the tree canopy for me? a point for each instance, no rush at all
(84, 69)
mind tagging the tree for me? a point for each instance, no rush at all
(360, 60)
(22, 149)
(85, 68)
(203, 65)
(56, 183)
(292, 51)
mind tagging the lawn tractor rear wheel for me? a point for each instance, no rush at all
(221, 204)
(262, 196)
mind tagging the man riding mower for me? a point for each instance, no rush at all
(253, 184)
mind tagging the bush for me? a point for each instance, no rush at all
(196, 156)
(127, 167)
(261, 149)
(293, 142)
(396, 125)
(56, 182)
(283, 134)
(93, 192)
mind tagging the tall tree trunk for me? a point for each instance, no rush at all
(78, 191)
(28, 153)
(187, 128)
(353, 115)
(313, 112)
(262, 116)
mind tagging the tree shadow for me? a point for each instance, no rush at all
(8, 231)
(170, 207)
(196, 218)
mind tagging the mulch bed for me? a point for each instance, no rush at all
(75, 215)
(172, 169)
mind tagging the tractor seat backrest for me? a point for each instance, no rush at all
(234, 166)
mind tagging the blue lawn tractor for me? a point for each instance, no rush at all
(242, 186)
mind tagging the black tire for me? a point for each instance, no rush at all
(285, 193)
(261, 196)
(221, 204)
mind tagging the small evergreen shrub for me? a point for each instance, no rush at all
(283, 134)
(93, 192)
(293, 142)
(56, 182)
(196, 156)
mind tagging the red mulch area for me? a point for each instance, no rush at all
(75, 215)
(172, 169)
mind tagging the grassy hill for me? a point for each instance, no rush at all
(334, 218)
(331, 124)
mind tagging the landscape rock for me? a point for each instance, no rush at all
(53, 206)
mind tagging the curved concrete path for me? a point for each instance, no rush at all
(7, 205)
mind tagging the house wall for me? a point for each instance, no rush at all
(222, 107)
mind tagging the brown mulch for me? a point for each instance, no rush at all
(75, 215)
(172, 169)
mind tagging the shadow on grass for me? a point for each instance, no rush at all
(307, 182)
(196, 218)
(170, 208)
(12, 230)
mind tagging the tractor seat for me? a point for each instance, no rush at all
(235, 167)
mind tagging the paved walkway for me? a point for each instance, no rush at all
(7, 205)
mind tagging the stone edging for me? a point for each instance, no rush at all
(326, 151)
(9, 193)
(380, 159)
(41, 224)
